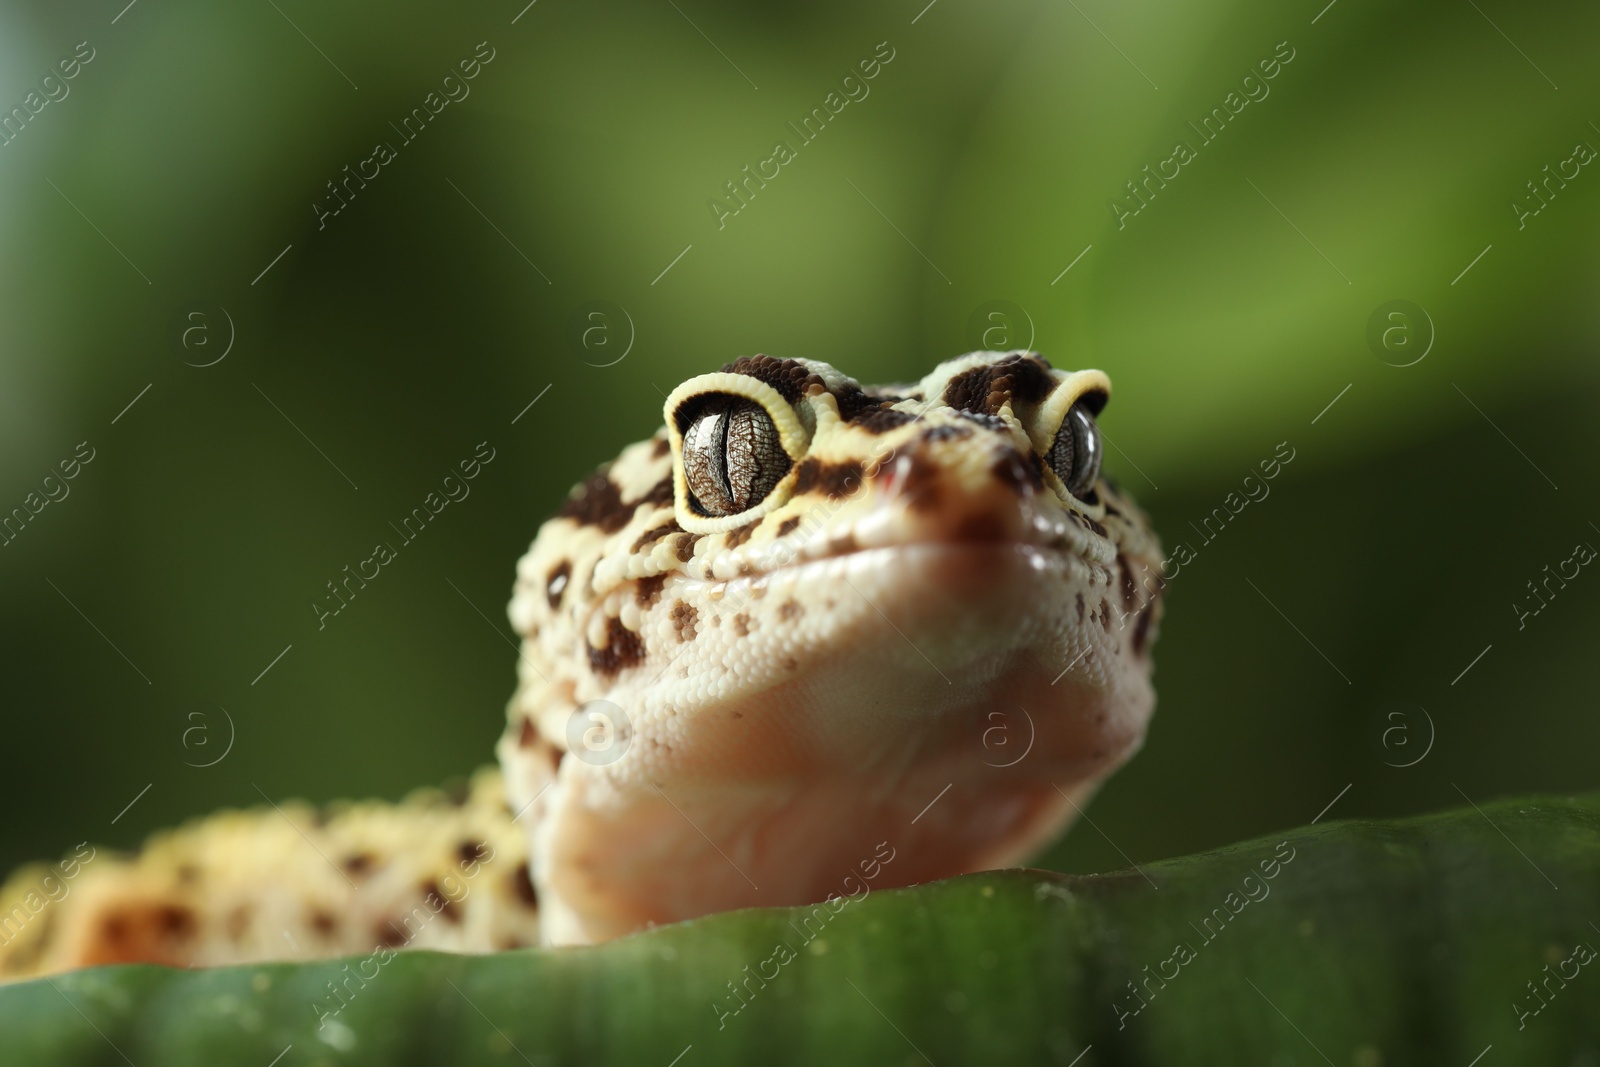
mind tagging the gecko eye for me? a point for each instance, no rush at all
(732, 456)
(1075, 455)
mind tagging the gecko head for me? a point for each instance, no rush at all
(803, 578)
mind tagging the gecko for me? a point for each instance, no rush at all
(805, 626)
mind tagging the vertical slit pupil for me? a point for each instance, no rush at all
(1075, 453)
(732, 456)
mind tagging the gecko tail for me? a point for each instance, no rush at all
(439, 870)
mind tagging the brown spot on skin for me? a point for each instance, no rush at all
(685, 547)
(141, 932)
(1105, 616)
(651, 536)
(741, 624)
(440, 903)
(597, 502)
(790, 378)
(177, 922)
(188, 874)
(659, 495)
(788, 611)
(684, 617)
(946, 432)
(833, 479)
(556, 584)
(1141, 629)
(870, 411)
(875, 414)
(325, 923)
(986, 389)
(470, 852)
(387, 934)
(1080, 608)
(788, 526)
(527, 736)
(624, 649)
(1019, 475)
(553, 756)
(648, 590)
(662, 447)
(740, 534)
(521, 882)
(1130, 592)
(883, 419)
(238, 923)
(359, 864)
(790, 664)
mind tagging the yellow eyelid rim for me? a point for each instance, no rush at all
(1046, 422)
(792, 436)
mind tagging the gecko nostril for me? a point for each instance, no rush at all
(912, 479)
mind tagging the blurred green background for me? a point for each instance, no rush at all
(450, 293)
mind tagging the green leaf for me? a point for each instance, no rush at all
(1357, 943)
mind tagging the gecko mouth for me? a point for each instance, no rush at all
(963, 559)
(959, 572)
(957, 599)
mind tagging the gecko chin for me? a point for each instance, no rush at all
(989, 687)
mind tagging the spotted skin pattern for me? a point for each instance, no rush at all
(719, 712)
(917, 641)
(443, 869)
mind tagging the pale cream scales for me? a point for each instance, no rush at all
(776, 672)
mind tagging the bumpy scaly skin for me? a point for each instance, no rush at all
(436, 871)
(913, 658)
(717, 713)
